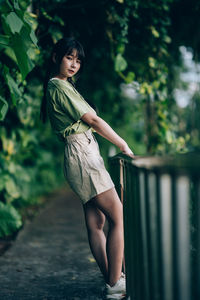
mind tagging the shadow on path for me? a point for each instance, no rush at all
(50, 258)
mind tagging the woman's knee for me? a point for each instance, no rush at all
(116, 219)
(94, 218)
(95, 224)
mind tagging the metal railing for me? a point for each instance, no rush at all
(161, 197)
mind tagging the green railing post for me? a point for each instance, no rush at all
(161, 198)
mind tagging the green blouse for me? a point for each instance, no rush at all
(65, 108)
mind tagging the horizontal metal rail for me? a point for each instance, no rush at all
(161, 197)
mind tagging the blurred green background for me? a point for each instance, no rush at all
(141, 72)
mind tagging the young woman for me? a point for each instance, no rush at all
(73, 120)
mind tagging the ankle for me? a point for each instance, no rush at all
(113, 282)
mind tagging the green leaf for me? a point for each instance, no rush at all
(155, 33)
(4, 40)
(130, 77)
(20, 46)
(10, 220)
(13, 87)
(169, 137)
(19, 172)
(10, 53)
(11, 187)
(121, 48)
(120, 63)
(167, 39)
(16, 5)
(2, 181)
(3, 108)
(14, 22)
(27, 30)
(152, 62)
(33, 37)
(22, 38)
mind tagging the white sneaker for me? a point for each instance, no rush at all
(118, 291)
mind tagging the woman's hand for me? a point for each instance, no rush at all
(126, 150)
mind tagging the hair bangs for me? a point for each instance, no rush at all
(79, 52)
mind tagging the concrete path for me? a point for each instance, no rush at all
(50, 258)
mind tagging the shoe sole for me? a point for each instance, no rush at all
(116, 296)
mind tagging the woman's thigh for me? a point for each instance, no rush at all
(109, 203)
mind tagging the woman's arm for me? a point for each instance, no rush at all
(106, 131)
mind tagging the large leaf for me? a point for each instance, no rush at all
(28, 26)
(3, 108)
(14, 22)
(10, 220)
(20, 47)
(20, 37)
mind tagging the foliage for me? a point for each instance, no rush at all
(148, 40)
(18, 46)
(28, 167)
(10, 220)
(136, 40)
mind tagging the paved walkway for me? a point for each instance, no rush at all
(50, 258)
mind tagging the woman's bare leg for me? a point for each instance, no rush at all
(109, 204)
(95, 221)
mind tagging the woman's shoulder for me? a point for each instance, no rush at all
(59, 84)
(64, 87)
(60, 87)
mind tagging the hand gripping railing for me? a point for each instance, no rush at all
(161, 197)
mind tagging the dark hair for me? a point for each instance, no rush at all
(61, 48)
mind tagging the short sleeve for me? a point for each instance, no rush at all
(73, 104)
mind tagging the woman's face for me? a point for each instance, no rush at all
(70, 65)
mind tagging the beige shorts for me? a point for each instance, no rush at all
(84, 167)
